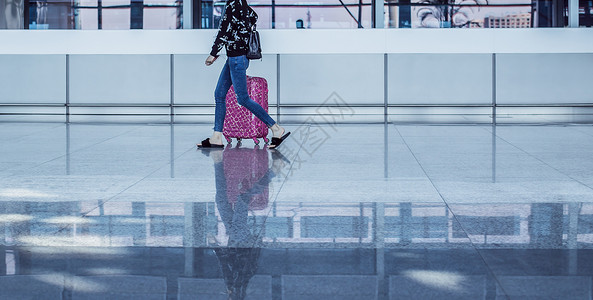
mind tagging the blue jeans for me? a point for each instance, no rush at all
(233, 73)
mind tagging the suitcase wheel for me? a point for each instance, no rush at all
(228, 139)
(256, 141)
(239, 140)
(266, 140)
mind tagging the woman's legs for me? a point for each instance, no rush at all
(222, 87)
(234, 73)
(238, 68)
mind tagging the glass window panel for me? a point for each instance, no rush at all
(585, 13)
(118, 18)
(160, 2)
(264, 16)
(518, 15)
(87, 19)
(317, 16)
(325, 14)
(321, 17)
(217, 9)
(53, 14)
(108, 3)
(115, 14)
(160, 17)
(85, 14)
(205, 20)
(459, 14)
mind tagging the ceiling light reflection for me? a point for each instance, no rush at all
(60, 241)
(406, 255)
(443, 280)
(107, 271)
(79, 284)
(24, 193)
(14, 218)
(69, 220)
(79, 250)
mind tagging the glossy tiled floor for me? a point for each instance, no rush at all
(338, 212)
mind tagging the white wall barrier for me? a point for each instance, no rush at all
(160, 76)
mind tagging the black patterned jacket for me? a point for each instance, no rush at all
(233, 33)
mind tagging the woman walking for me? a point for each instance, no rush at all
(233, 34)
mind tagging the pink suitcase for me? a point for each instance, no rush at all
(243, 168)
(239, 122)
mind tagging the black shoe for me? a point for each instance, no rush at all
(206, 144)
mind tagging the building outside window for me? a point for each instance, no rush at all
(284, 14)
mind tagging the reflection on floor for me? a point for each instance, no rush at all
(338, 212)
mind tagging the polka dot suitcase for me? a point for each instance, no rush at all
(239, 122)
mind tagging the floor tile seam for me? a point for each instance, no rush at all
(71, 152)
(454, 215)
(33, 133)
(430, 180)
(496, 277)
(277, 194)
(420, 165)
(542, 161)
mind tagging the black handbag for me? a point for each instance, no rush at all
(253, 45)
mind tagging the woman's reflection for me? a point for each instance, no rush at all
(242, 177)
